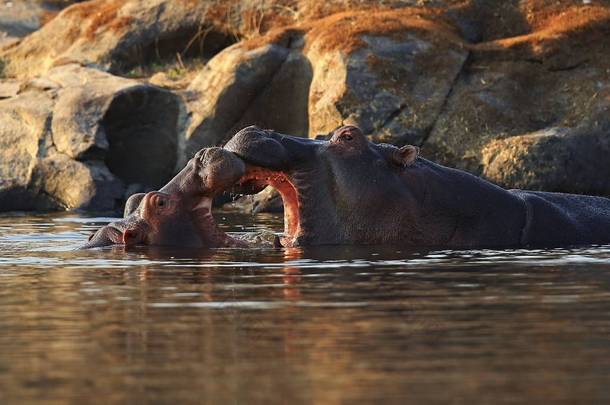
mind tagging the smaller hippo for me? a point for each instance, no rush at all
(180, 213)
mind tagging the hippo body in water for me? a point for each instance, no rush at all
(347, 190)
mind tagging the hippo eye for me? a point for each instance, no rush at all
(343, 138)
(161, 203)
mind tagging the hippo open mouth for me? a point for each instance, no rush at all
(257, 177)
(270, 160)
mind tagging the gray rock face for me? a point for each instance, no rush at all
(558, 76)
(132, 126)
(554, 159)
(114, 34)
(393, 89)
(224, 91)
(96, 189)
(78, 136)
(25, 128)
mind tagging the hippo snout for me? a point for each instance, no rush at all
(259, 147)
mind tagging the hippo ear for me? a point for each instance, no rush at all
(133, 203)
(406, 155)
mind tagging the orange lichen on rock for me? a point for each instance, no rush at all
(99, 16)
(595, 20)
(278, 36)
(343, 31)
(47, 16)
(538, 13)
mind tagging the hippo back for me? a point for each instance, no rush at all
(564, 219)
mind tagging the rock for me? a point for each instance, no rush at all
(34, 175)
(77, 185)
(340, 69)
(554, 159)
(387, 72)
(282, 104)
(25, 124)
(118, 35)
(77, 139)
(115, 34)
(132, 126)
(558, 76)
(222, 93)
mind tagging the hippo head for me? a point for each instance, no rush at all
(336, 191)
(180, 213)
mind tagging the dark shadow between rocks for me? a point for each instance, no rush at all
(187, 43)
(141, 126)
(283, 103)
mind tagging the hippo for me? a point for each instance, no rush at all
(347, 190)
(179, 214)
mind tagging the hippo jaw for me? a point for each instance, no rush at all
(259, 177)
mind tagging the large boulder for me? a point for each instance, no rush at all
(223, 91)
(387, 72)
(25, 126)
(246, 85)
(556, 76)
(132, 126)
(553, 159)
(71, 184)
(75, 138)
(117, 35)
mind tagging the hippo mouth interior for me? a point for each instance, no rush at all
(260, 177)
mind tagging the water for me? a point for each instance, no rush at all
(332, 325)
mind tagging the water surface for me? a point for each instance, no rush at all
(328, 325)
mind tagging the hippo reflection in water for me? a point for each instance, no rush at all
(348, 190)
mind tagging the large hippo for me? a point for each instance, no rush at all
(347, 190)
(179, 214)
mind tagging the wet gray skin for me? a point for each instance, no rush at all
(179, 214)
(347, 190)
